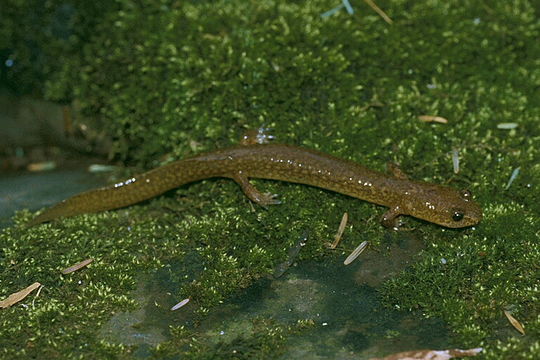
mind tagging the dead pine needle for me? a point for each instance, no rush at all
(379, 11)
(455, 160)
(77, 266)
(513, 177)
(432, 118)
(37, 294)
(356, 252)
(180, 304)
(515, 323)
(18, 296)
(507, 126)
(341, 229)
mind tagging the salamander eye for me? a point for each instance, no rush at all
(458, 215)
(466, 195)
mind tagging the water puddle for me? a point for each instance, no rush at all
(36, 190)
(342, 301)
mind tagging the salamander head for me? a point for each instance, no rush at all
(444, 206)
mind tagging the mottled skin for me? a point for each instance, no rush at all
(434, 203)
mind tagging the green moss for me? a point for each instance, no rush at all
(470, 280)
(37, 38)
(181, 77)
(265, 339)
(200, 73)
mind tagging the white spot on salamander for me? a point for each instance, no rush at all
(127, 182)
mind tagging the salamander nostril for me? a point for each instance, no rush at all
(466, 195)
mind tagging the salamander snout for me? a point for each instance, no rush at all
(445, 206)
(463, 211)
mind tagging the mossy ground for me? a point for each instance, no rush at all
(181, 77)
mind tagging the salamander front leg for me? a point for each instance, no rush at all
(390, 219)
(253, 194)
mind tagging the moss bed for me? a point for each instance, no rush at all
(177, 78)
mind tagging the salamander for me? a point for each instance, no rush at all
(434, 203)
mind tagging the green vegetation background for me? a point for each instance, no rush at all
(180, 77)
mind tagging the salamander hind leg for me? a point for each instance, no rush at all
(253, 194)
(396, 171)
